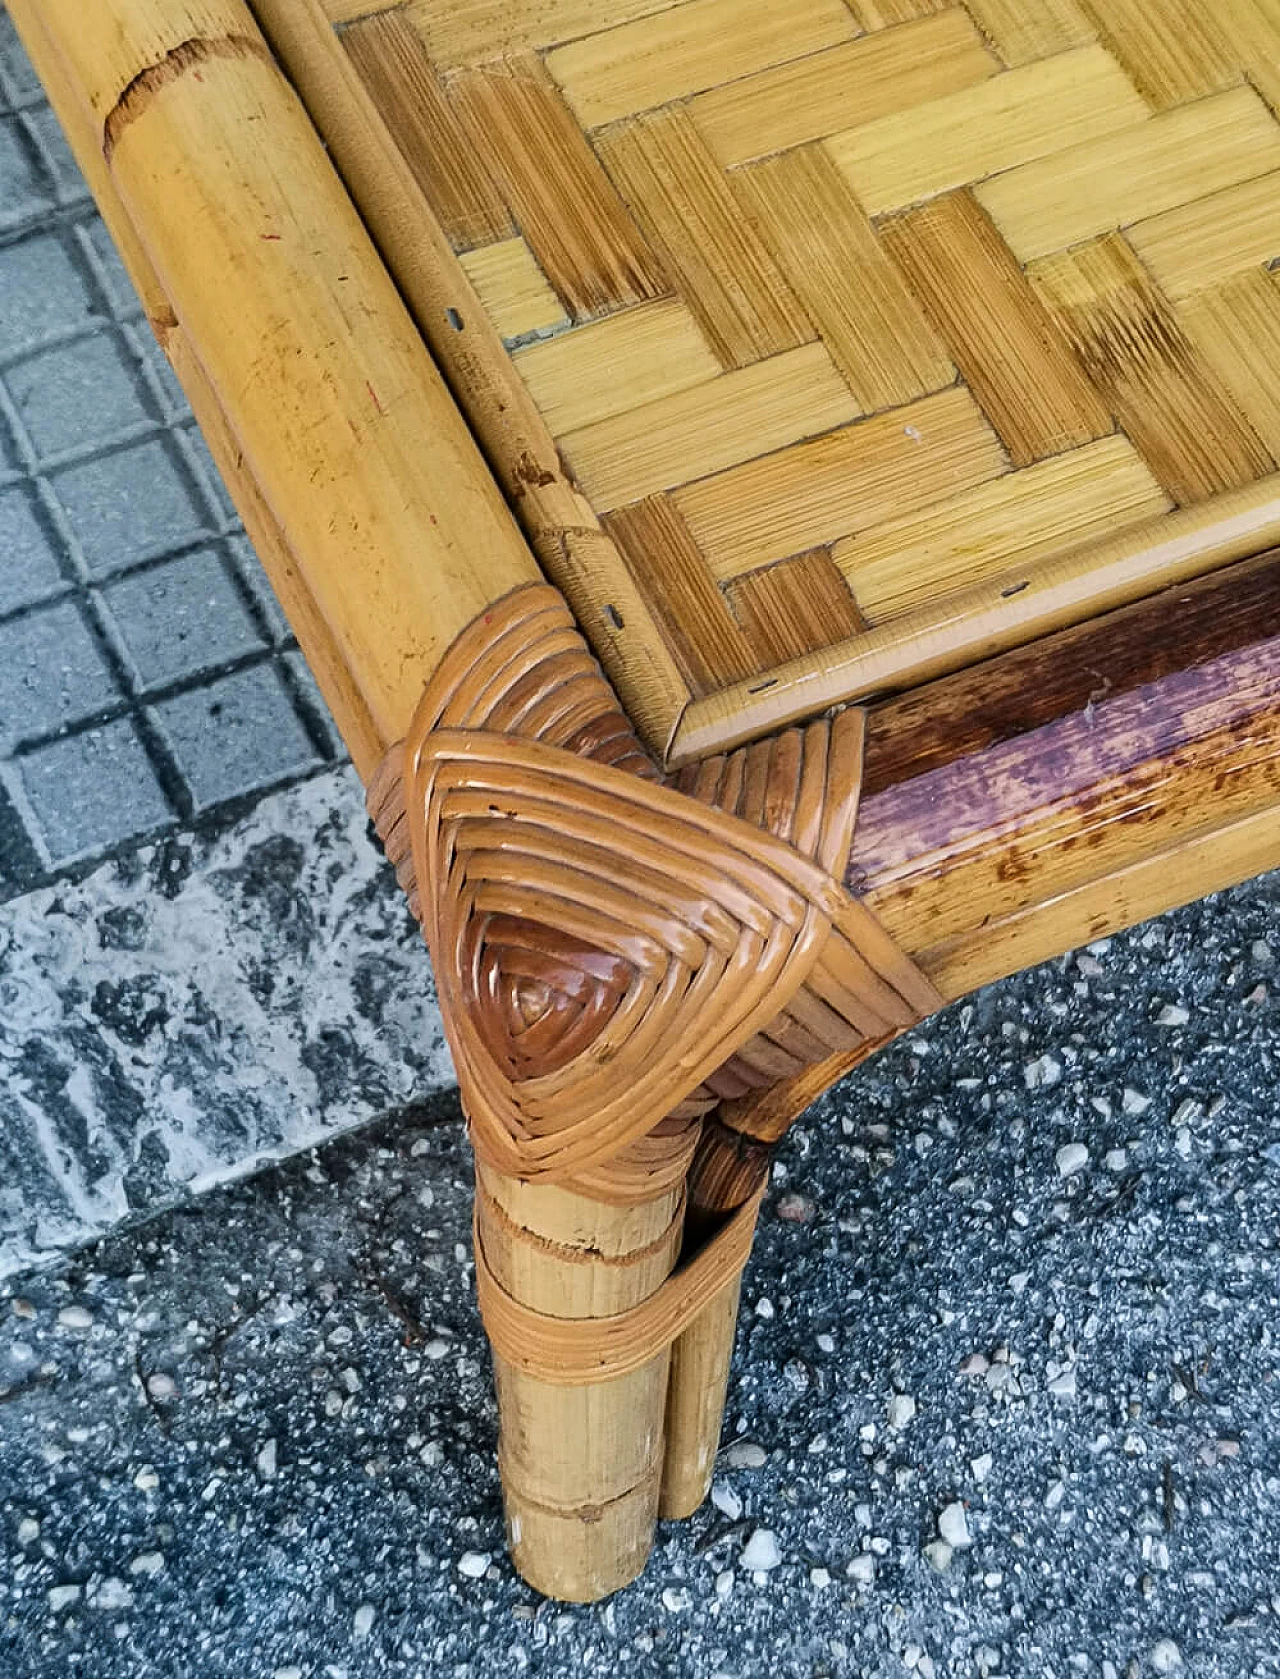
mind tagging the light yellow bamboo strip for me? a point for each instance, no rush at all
(1025, 32)
(1175, 158)
(1018, 364)
(671, 573)
(512, 288)
(568, 209)
(999, 124)
(672, 54)
(794, 607)
(616, 364)
(562, 527)
(1171, 48)
(1176, 411)
(1212, 239)
(976, 622)
(884, 14)
(721, 265)
(1020, 519)
(302, 334)
(1251, 29)
(819, 491)
(393, 64)
(474, 31)
(347, 11)
(892, 70)
(703, 430)
(868, 320)
(1236, 328)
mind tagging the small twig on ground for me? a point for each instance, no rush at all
(414, 1333)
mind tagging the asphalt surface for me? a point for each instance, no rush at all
(255, 1437)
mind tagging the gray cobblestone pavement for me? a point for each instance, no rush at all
(1006, 1396)
(147, 678)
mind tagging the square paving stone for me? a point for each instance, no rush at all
(19, 84)
(92, 790)
(51, 674)
(132, 505)
(28, 558)
(44, 292)
(180, 618)
(78, 394)
(26, 190)
(236, 735)
(56, 155)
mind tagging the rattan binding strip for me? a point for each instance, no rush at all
(578, 1351)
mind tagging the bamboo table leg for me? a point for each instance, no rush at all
(580, 1465)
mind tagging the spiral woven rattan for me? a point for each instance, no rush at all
(615, 955)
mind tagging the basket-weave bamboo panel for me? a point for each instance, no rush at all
(837, 307)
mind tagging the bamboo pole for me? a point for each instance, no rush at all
(579, 1477)
(300, 332)
(576, 553)
(966, 626)
(1161, 722)
(359, 733)
(384, 535)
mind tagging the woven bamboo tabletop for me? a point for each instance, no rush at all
(836, 311)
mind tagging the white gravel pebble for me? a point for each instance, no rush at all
(28, 1530)
(820, 1577)
(745, 1454)
(146, 1480)
(764, 1307)
(75, 1317)
(675, 1600)
(1042, 1072)
(149, 1563)
(112, 1593)
(724, 1583)
(862, 1568)
(975, 1365)
(162, 1386)
(953, 1526)
(473, 1564)
(62, 1597)
(726, 1500)
(1071, 1158)
(1116, 1159)
(761, 1553)
(1134, 1102)
(901, 1410)
(795, 1209)
(939, 1555)
(436, 1349)
(1165, 1657)
(267, 1461)
(1172, 1014)
(1064, 1384)
(981, 1466)
(287, 1673)
(362, 1621)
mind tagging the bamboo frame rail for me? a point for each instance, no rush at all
(645, 975)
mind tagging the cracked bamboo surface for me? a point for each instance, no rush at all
(857, 283)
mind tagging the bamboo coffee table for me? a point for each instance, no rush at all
(777, 495)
